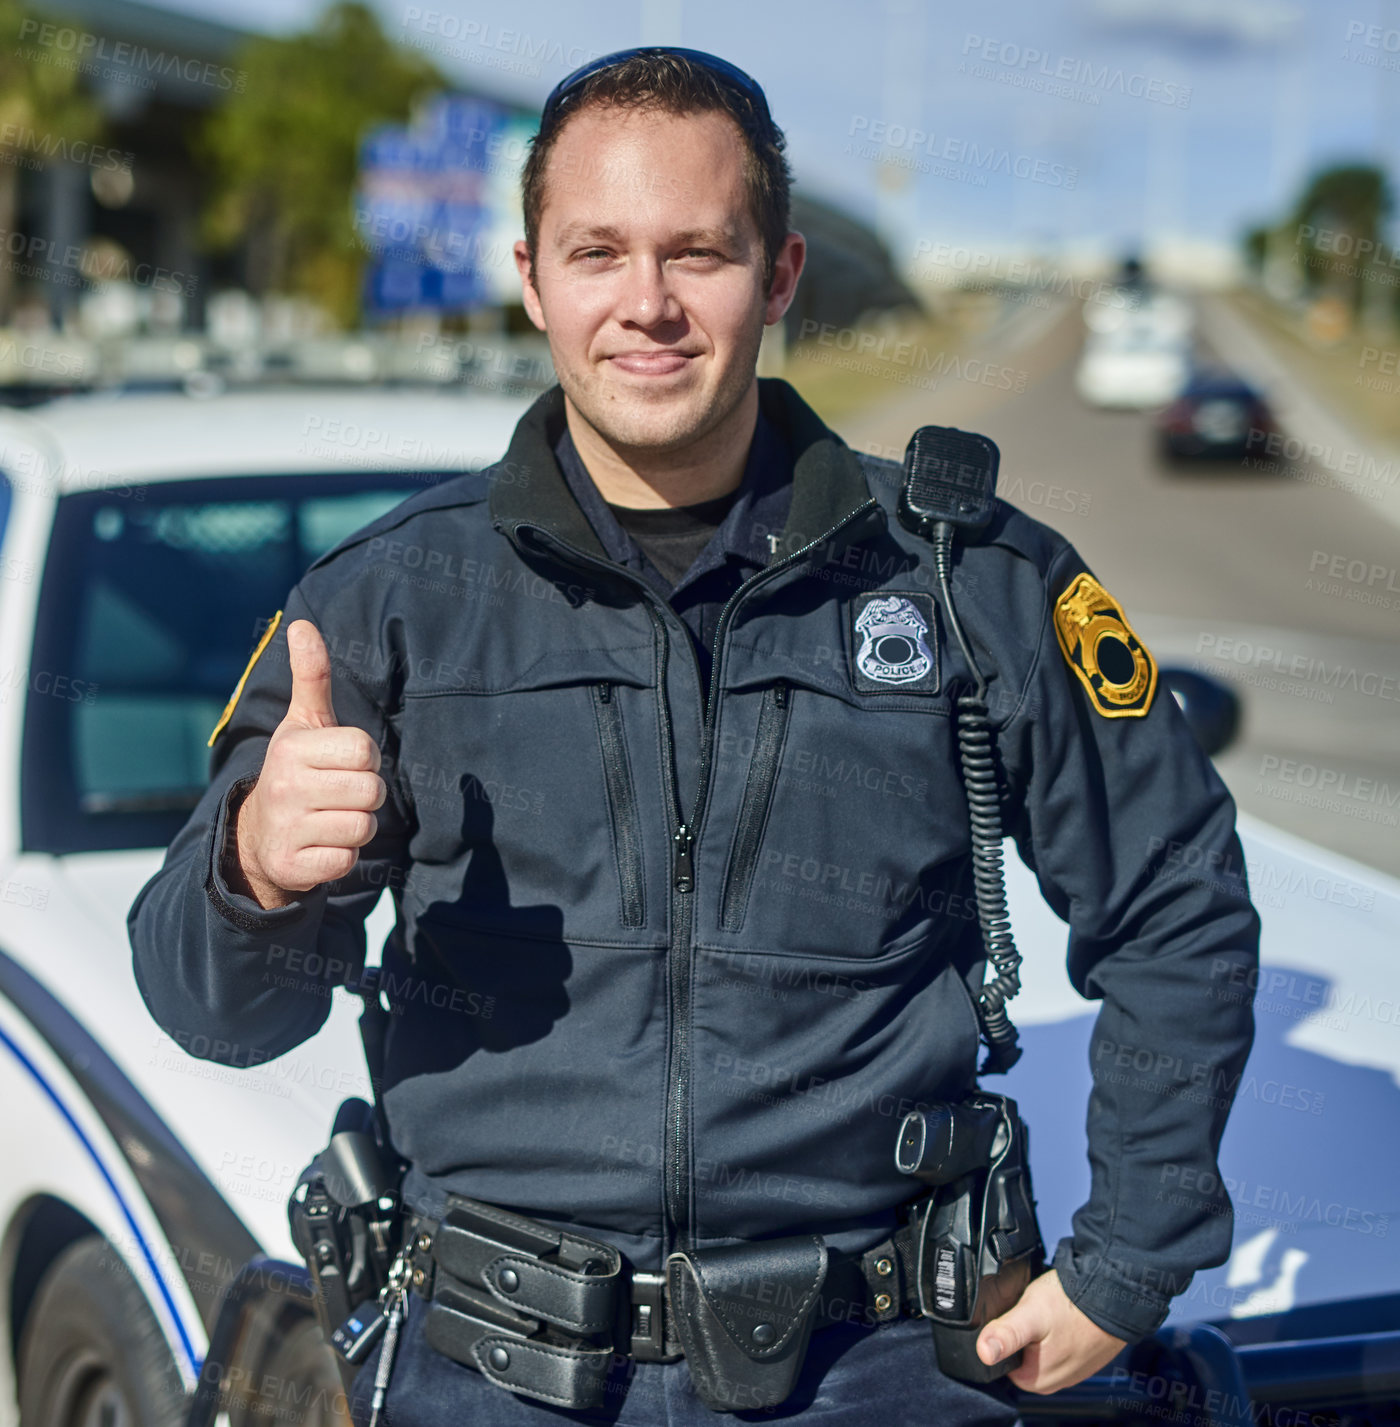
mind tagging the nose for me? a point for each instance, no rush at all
(646, 299)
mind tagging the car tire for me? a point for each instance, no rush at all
(300, 1373)
(91, 1353)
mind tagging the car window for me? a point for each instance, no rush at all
(152, 600)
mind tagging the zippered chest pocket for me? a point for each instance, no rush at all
(622, 806)
(539, 809)
(764, 762)
(837, 826)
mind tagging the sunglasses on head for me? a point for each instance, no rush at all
(730, 74)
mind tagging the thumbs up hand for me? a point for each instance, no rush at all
(312, 807)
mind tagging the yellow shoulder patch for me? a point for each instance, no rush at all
(1099, 644)
(238, 687)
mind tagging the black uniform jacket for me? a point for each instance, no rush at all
(673, 970)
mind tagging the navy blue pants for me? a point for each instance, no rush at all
(852, 1376)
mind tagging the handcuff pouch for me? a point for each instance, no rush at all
(744, 1314)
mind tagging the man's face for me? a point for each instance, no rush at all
(649, 279)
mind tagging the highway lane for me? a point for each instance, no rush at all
(1267, 578)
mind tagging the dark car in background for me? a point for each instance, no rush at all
(1212, 419)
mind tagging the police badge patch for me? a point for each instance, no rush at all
(895, 643)
(1099, 645)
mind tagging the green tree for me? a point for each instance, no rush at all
(40, 104)
(283, 153)
(1338, 219)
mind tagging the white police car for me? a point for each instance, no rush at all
(144, 539)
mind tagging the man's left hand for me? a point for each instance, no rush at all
(1062, 1345)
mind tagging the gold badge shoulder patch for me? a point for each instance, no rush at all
(1099, 644)
(238, 687)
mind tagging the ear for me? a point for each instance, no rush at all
(533, 307)
(786, 270)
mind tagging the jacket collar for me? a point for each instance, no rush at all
(828, 482)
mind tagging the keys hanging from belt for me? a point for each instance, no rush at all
(394, 1297)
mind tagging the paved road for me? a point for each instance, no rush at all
(1283, 582)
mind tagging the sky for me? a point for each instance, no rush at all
(1052, 124)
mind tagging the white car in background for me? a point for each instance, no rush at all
(1137, 355)
(143, 541)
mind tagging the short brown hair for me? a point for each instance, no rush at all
(674, 84)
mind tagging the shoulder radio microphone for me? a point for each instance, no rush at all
(977, 1241)
(949, 489)
(950, 476)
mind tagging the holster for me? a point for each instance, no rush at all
(978, 1246)
(343, 1216)
(744, 1315)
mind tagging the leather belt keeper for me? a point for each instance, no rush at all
(531, 1308)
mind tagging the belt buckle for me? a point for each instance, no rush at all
(648, 1340)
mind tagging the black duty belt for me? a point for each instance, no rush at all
(543, 1311)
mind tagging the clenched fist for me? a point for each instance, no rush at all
(313, 805)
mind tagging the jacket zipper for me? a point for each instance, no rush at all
(622, 806)
(676, 1149)
(753, 811)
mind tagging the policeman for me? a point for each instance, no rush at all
(647, 729)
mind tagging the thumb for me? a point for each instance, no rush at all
(311, 676)
(1018, 1326)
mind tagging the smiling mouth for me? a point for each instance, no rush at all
(650, 364)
